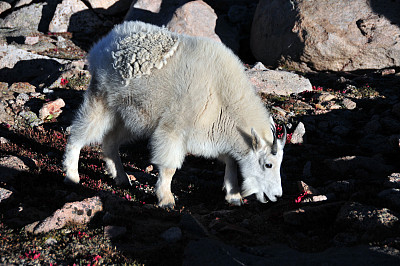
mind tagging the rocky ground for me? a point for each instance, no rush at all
(340, 175)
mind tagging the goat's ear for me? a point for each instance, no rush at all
(256, 140)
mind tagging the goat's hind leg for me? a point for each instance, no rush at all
(91, 123)
(111, 143)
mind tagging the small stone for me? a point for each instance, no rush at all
(389, 71)
(31, 40)
(5, 194)
(50, 241)
(299, 132)
(21, 99)
(30, 118)
(259, 66)
(393, 181)
(326, 97)
(10, 167)
(113, 232)
(3, 140)
(349, 104)
(51, 109)
(303, 187)
(172, 235)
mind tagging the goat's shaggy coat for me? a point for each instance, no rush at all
(188, 95)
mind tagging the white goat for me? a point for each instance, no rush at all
(187, 95)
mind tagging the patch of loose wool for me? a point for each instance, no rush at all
(137, 54)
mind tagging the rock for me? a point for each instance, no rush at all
(113, 232)
(18, 65)
(22, 87)
(191, 224)
(317, 198)
(30, 118)
(74, 16)
(31, 40)
(172, 235)
(110, 7)
(21, 99)
(303, 187)
(150, 5)
(213, 252)
(392, 196)
(349, 164)
(298, 134)
(11, 166)
(327, 35)
(393, 181)
(340, 187)
(341, 130)
(50, 241)
(310, 216)
(194, 18)
(27, 17)
(80, 212)
(349, 104)
(396, 109)
(51, 109)
(5, 194)
(326, 97)
(4, 6)
(278, 82)
(3, 140)
(366, 218)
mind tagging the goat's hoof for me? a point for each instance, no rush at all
(234, 199)
(236, 202)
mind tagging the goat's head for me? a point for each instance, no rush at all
(261, 167)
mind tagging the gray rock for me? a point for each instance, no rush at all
(30, 118)
(192, 225)
(349, 164)
(5, 194)
(4, 6)
(393, 181)
(50, 241)
(74, 16)
(349, 104)
(309, 216)
(392, 196)
(327, 35)
(113, 232)
(110, 7)
(363, 217)
(194, 18)
(21, 99)
(27, 17)
(172, 235)
(215, 253)
(341, 130)
(278, 82)
(298, 134)
(11, 166)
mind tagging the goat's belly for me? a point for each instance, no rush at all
(202, 146)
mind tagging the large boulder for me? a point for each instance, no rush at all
(74, 16)
(194, 18)
(332, 35)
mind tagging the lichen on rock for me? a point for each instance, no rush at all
(138, 53)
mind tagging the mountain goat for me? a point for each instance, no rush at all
(187, 95)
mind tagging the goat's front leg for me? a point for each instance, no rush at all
(231, 183)
(163, 188)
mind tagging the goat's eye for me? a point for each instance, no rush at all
(268, 165)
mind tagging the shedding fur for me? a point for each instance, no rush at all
(187, 95)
